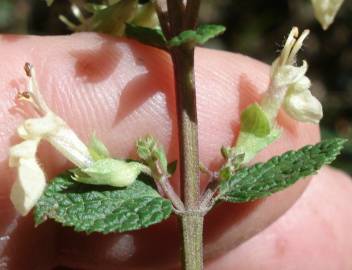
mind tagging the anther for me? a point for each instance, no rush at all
(28, 69)
(25, 95)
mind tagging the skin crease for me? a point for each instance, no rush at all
(123, 90)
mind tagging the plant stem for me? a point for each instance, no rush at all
(176, 13)
(192, 220)
(179, 19)
(183, 59)
(192, 225)
(171, 194)
(192, 8)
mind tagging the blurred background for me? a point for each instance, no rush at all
(255, 28)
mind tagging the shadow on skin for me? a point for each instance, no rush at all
(98, 64)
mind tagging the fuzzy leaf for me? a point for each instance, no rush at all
(199, 36)
(280, 172)
(149, 36)
(104, 209)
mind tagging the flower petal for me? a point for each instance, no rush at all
(66, 141)
(29, 186)
(289, 74)
(304, 107)
(53, 129)
(25, 149)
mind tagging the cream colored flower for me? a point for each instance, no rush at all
(289, 86)
(30, 182)
(325, 11)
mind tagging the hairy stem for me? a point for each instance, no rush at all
(183, 59)
(171, 194)
(192, 220)
(192, 225)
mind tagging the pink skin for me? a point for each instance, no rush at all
(123, 90)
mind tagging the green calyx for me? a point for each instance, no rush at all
(153, 155)
(97, 149)
(255, 121)
(111, 172)
(256, 133)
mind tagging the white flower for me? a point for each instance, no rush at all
(51, 127)
(289, 86)
(30, 182)
(326, 10)
(97, 169)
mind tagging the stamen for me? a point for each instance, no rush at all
(28, 97)
(35, 97)
(298, 45)
(290, 42)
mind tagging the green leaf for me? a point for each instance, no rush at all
(255, 121)
(97, 149)
(199, 36)
(280, 172)
(149, 36)
(103, 209)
